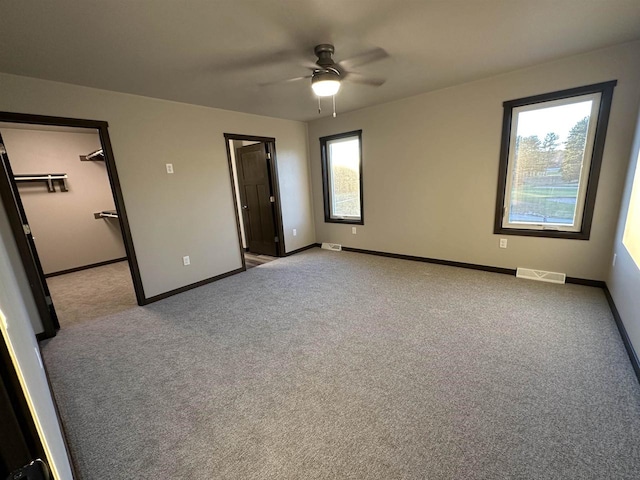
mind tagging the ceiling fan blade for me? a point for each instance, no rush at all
(363, 80)
(281, 57)
(363, 59)
(244, 63)
(286, 80)
(309, 64)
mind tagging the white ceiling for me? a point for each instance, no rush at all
(218, 52)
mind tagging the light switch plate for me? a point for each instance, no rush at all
(169, 167)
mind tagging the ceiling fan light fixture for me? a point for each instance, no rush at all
(325, 83)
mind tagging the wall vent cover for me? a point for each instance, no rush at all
(336, 247)
(541, 275)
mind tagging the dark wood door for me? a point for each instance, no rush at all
(256, 196)
(26, 245)
(19, 440)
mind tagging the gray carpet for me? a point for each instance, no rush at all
(90, 294)
(330, 365)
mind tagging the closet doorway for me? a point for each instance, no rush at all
(254, 178)
(62, 199)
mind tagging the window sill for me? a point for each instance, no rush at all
(523, 232)
(344, 220)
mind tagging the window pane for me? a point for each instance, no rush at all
(344, 177)
(631, 237)
(550, 161)
(547, 164)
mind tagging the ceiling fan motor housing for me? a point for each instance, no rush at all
(323, 75)
(324, 53)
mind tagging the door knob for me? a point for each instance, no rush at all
(245, 207)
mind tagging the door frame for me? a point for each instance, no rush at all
(7, 186)
(270, 142)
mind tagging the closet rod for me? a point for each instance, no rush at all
(48, 178)
(19, 178)
(95, 154)
(98, 155)
(106, 214)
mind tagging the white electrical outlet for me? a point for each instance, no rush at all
(503, 243)
(169, 167)
(186, 260)
(295, 232)
(353, 230)
(615, 255)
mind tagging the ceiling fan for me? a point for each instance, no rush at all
(327, 75)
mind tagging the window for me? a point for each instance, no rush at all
(550, 162)
(631, 236)
(342, 177)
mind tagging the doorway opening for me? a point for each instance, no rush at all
(256, 197)
(63, 202)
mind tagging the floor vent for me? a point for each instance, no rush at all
(541, 275)
(336, 247)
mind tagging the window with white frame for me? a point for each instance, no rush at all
(550, 162)
(342, 177)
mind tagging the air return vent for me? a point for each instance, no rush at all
(541, 275)
(336, 247)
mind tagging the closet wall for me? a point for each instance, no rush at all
(66, 233)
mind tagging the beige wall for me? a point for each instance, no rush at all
(191, 211)
(430, 167)
(66, 233)
(624, 277)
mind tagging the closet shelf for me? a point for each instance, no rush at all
(48, 178)
(106, 214)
